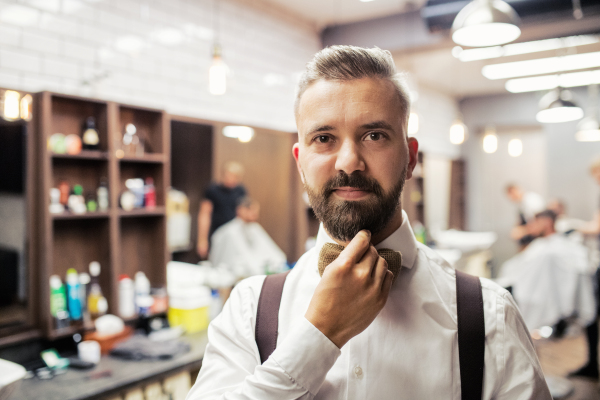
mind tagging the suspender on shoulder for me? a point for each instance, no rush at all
(471, 328)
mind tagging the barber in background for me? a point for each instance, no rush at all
(244, 247)
(219, 204)
(592, 332)
(529, 204)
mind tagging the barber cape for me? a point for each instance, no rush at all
(245, 249)
(551, 279)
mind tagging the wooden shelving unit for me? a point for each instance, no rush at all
(122, 241)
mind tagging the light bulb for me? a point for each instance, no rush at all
(490, 143)
(457, 133)
(217, 77)
(515, 148)
(11, 105)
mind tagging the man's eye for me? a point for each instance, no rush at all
(374, 136)
(323, 139)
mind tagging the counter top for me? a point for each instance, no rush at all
(124, 374)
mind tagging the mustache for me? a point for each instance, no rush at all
(354, 180)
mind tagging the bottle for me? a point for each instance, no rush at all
(130, 140)
(73, 294)
(64, 189)
(142, 292)
(102, 196)
(76, 201)
(216, 305)
(91, 204)
(95, 295)
(149, 193)
(90, 139)
(126, 297)
(58, 297)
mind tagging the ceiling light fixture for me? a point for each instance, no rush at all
(484, 23)
(588, 129)
(217, 73)
(558, 106)
(515, 147)
(242, 133)
(549, 82)
(458, 132)
(514, 49)
(490, 141)
(542, 66)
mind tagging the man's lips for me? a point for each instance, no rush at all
(351, 193)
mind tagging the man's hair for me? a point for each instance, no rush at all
(510, 187)
(246, 202)
(345, 63)
(546, 214)
(234, 167)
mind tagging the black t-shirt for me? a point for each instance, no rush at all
(225, 200)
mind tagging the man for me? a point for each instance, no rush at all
(550, 279)
(218, 207)
(244, 247)
(352, 333)
(529, 204)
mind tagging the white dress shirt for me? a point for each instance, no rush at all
(245, 249)
(410, 351)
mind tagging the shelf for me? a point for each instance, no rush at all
(84, 155)
(144, 212)
(146, 158)
(89, 215)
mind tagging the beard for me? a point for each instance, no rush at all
(343, 219)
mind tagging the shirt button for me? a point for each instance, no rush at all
(358, 371)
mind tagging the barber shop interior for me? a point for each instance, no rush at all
(299, 199)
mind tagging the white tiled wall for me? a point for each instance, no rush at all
(119, 50)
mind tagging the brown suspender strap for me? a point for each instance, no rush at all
(471, 335)
(471, 328)
(267, 314)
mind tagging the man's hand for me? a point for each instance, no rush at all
(353, 290)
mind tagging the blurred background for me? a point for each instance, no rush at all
(153, 137)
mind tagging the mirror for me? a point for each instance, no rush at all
(14, 287)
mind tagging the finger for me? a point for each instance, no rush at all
(357, 247)
(387, 284)
(380, 270)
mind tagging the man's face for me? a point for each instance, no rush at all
(596, 175)
(353, 154)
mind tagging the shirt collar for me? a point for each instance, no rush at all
(402, 240)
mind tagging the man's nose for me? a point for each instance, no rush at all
(349, 158)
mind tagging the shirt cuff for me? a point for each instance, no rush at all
(306, 355)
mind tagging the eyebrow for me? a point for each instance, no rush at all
(322, 128)
(378, 125)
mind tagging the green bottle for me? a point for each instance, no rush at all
(58, 296)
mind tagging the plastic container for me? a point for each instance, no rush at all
(126, 297)
(73, 294)
(190, 308)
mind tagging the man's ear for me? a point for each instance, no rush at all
(413, 153)
(296, 154)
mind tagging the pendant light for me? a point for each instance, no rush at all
(558, 106)
(458, 132)
(588, 129)
(490, 140)
(484, 23)
(217, 73)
